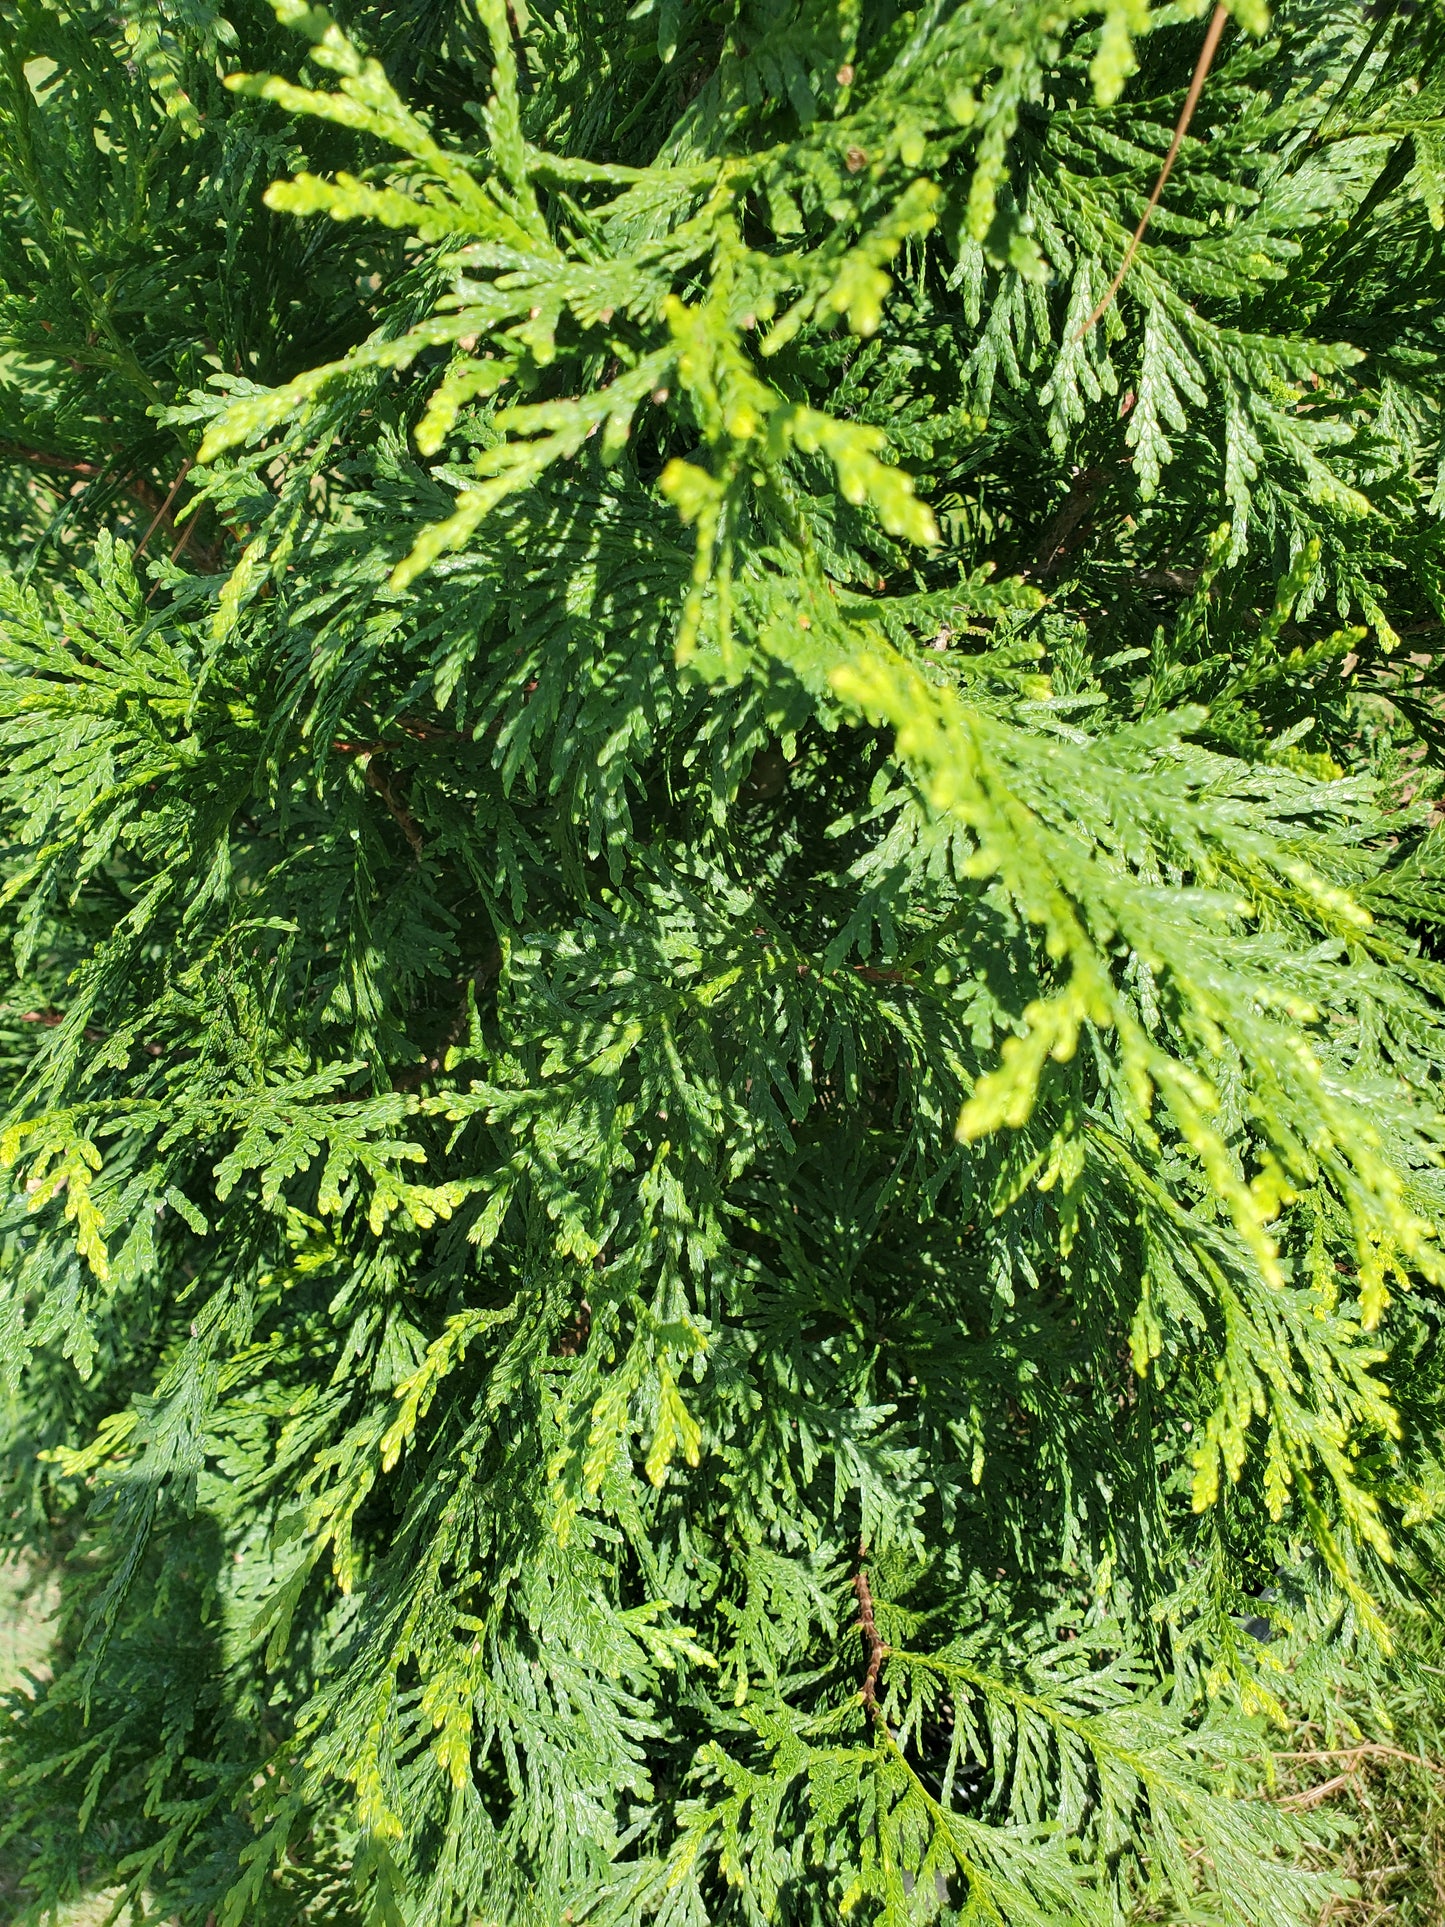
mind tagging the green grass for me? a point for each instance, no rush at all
(26, 1607)
(1389, 1782)
(27, 1604)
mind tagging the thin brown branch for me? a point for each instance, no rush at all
(412, 1076)
(208, 558)
(1070, 524)
(430, 732)
(136, 486)
(377, 779)
(41, 458)
(872, 1641)
(52, 1017)
(423, 733)
(571, 1341)
(185, 542)
(1181, 128)
(163, 513)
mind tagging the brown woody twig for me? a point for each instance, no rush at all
(163, 513)
(1070, 524)
(1181, 128)
(177, 552)
(378, 780)
(39, 458)
(873, 1643)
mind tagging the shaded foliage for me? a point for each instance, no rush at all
(725, 929)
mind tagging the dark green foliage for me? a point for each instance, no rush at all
(724, 928)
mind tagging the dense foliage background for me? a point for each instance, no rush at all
(723, 1070)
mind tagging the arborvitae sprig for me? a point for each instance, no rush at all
(723, 1084)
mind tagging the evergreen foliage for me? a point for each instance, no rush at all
(722, 1081)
